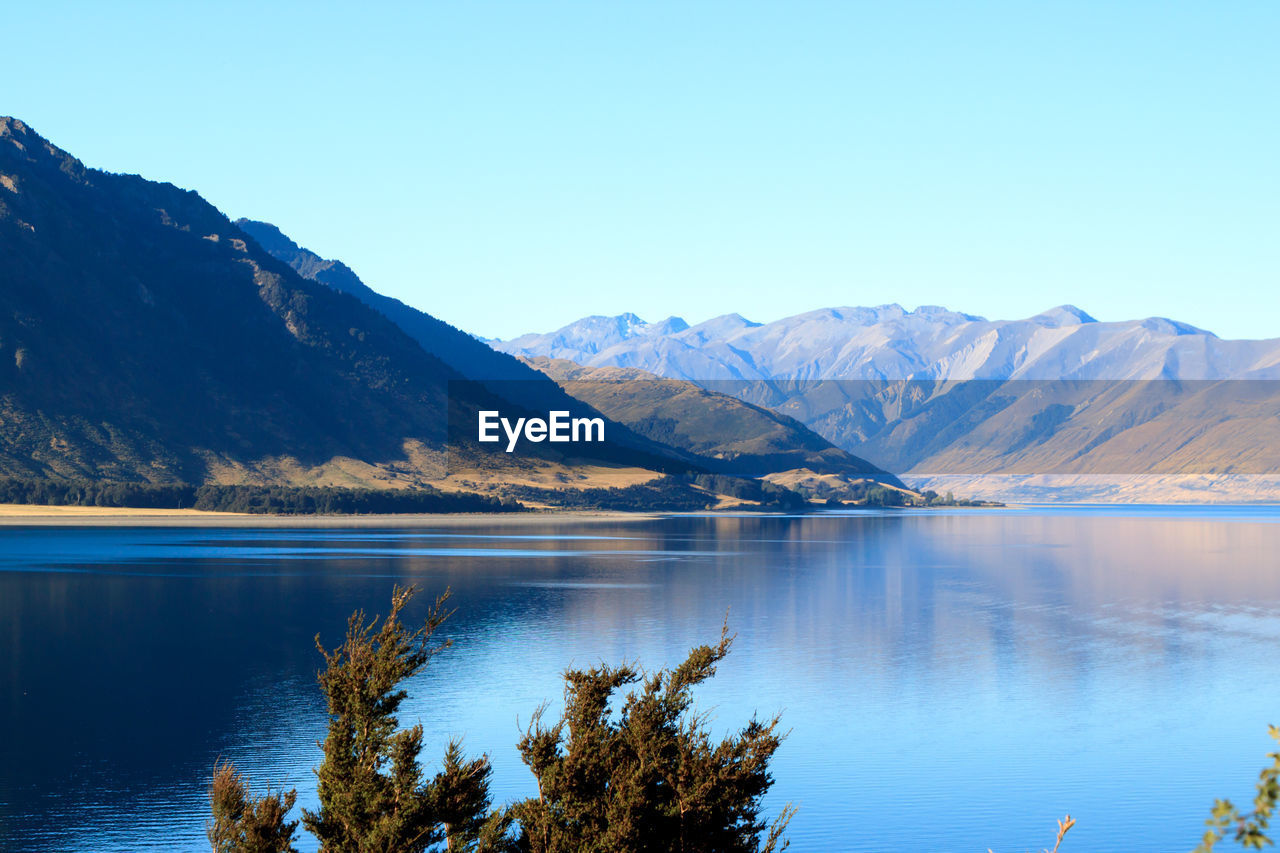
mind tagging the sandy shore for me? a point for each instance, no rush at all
(21, 515)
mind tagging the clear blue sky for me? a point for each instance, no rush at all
(512, 166)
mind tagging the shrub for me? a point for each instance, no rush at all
(372, 793)
(653, 779)
(243, 823)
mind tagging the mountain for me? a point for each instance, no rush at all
(591, 335)
(719, 433)
(145, 337)
(745, 440)
(461, 351)
(1055, 406)
(889, 342)
(503, 375)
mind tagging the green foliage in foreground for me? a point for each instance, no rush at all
(1250, 830)
(646, 778)
(303, 500)
(373, 796)
(243, 823)
(652, 779)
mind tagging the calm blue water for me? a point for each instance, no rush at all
(953, 680)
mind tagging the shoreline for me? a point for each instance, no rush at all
(41, 515)
(37, 515)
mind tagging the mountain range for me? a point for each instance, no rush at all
(715, 432)
(1054, 406)
(890, 342)
(147, 338)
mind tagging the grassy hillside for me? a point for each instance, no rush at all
(739, 437)
(145, 338)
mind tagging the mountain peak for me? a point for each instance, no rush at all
(893, 312)
(890, 342)
(1063, 315)
(629, 322)
(938, 312)
(1173, 328)
(10, 126)
(21, 133)
(733, 319)
(670, 326)
(34, 148)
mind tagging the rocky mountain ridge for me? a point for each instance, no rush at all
(1057, 406)
(890, 342)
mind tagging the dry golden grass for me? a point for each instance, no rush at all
(418, 467)
(809, 482)
(546, 475)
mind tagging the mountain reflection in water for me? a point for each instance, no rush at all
(953, 680)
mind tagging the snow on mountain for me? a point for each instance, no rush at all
(890, 342)
(588, 336)
(1104, 437)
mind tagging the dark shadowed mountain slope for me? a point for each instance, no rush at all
(717, 432)
(143, 337)
(456, 348)
(500, 374)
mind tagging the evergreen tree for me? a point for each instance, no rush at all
(243, 823)
(373, 797)
(651, 780)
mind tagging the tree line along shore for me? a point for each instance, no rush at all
(670, 493)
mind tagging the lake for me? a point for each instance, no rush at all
(952, 679)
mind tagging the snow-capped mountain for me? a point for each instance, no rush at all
(1057, 395)
(590, 335)
(889, 342)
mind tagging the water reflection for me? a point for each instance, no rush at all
(953, 680)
